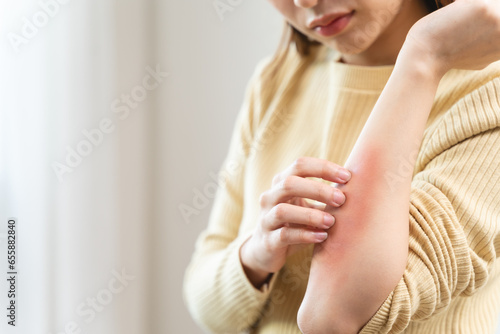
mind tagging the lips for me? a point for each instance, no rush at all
(326, 19)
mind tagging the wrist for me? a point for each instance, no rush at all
(421, 62)
(256, 276)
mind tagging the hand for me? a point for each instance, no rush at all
(287, 221)
(462, 35)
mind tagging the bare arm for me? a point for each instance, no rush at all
(365, 255)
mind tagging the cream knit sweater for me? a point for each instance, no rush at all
(317, 107)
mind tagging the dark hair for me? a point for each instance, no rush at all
(304, 45)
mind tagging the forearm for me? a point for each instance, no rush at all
(364, 257)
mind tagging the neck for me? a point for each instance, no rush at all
(385, 49)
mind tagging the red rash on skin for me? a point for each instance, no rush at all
(350, 228)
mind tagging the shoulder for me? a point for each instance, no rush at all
(277, 77)
(277, 70)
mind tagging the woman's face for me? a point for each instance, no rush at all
(367, 32)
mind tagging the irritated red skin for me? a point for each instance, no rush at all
(341, 258)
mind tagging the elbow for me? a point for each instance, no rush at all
(192, 302)
(311, 319)
(306, 322)
(197, 300)
(200, 313)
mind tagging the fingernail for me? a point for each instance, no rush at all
(344, 175)
(328, 220)
(338, 198)
(320, 236)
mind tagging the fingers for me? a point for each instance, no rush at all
(286, 236)
(314, 167)
(289, 215)
(313, 204)
(296, 186)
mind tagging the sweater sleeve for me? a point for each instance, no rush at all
(216, 290)
(454, 214)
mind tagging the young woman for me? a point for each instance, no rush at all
(361, 192)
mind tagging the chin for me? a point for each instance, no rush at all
(347, 48)
(351, 44)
